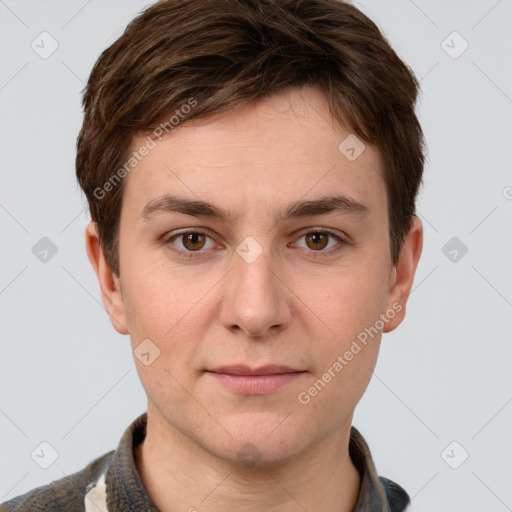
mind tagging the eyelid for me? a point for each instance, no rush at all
(320, 229)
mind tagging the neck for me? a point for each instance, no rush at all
(180, 476)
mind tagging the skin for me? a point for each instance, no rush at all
(286, 307)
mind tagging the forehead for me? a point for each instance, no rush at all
(273, 151)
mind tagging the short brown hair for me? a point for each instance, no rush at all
(226, 53)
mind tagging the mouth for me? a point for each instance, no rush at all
(255, 381)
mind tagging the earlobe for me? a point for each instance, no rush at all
(403, 274)
(111, 294)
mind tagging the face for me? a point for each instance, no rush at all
(255, 303)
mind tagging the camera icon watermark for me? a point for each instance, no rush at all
(44, 250)
(249, 454)
(454, 455)
(351, 147)
(249, 250)
(45, 45)
(44, 455)
(454, 45)
(454, 249)
(146, 352)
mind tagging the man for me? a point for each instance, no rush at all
(251, 169)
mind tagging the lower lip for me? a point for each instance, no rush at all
(256, 384)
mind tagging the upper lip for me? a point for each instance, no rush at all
(241, 369)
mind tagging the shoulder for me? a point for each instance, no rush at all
(60, 495)
(397, 496)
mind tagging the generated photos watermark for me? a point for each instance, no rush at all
(158, 133)
(363, 337)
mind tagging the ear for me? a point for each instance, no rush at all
(402, 275)
(110, 285)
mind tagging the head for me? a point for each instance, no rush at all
(281, 136)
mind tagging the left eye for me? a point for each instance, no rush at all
(319, 240)
(192, 241)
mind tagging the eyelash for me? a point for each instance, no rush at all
(194, 254)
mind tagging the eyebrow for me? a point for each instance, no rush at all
(168, 204)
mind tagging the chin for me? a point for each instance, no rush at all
(250, 455)
(253, 446)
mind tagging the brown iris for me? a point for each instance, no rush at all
(319, 240)
(193, 241)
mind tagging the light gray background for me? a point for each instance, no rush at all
(69, 379)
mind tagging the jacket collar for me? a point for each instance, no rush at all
(376, 494)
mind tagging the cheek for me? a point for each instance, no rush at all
(343, 364)
(169, 309)
(353, 302)
(344, 390)
(154, 303)
(347, 341)
(162, 311)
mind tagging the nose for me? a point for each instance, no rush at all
(256, 299)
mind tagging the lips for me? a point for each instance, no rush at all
(247, 370)
(245, 380)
